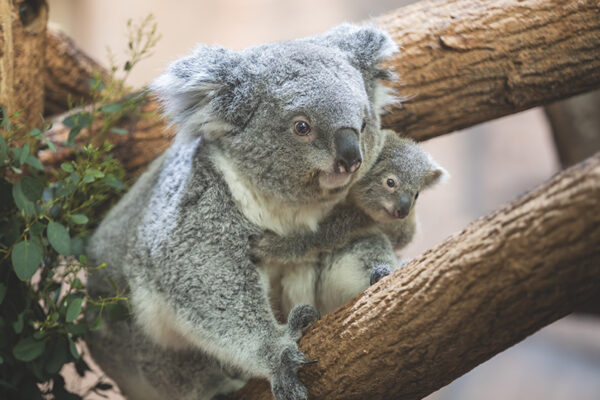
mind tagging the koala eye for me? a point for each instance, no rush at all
(416, 195)
(364, 125)
(391, 183)
(302, 128)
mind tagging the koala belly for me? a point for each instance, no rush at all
(290, 284)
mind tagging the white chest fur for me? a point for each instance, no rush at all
(265, 212)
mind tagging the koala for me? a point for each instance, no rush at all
(359, 236)
(269, 138)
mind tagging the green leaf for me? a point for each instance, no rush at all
(112, 108)
(76, 329)
(51, 146)
(79, 219)
(72, 135)
(127, 66)
(34, 162)
(24, 153)
(28, 349)
(67, 167)
(114, 182)
(74, 309)
(59, 238)
(58, 356)
(35, 132)
(32, 188)
(3, 150)
(73, 349)
(97, 324)
(88, 178)
(19, 323)
(119, 131)
(79, 120)
(2, 292)
(96, 84)
(22, 202)
(37, 229)
(77, 246)
(26, 257)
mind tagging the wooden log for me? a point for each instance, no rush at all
(481, 291)
(67, 73)
(465, 61)
(22, 39)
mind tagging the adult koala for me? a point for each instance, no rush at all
(269, 138)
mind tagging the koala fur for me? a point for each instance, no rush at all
(240, 164)
(358, 237)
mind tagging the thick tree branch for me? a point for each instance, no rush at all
(481, 291)
(465, 61)
(67, 73)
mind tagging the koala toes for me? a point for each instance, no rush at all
(404, 262)
(300, 317)
(379, 271)
(286, 385)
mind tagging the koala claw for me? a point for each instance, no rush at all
(379, 271)
(286, 385)
(300, 317)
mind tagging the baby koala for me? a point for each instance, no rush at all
(356, 241)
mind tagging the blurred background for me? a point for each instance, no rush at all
(490, 163)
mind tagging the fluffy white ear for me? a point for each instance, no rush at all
(200, 92)
(435, 175)
(366, 44)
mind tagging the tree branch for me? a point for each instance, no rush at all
(464, 62)
(481, 291)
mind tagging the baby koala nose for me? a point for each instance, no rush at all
(403, 206)
(347, 151)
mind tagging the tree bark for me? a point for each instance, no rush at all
(67, 73)
(464, 62)
(22, 39)
(481, 291)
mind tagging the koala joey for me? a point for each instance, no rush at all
(269, 138)
(358, 237)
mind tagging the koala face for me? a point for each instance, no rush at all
(297, 119)
(389, 190)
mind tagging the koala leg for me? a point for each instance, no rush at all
(350, 270)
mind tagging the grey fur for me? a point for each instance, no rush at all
(180, 238)
(358, 238)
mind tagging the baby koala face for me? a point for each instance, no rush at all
(389, 190)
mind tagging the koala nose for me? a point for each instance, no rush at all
(403, 206)
(347, 151)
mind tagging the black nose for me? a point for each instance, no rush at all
(403, 206)
(347, 151)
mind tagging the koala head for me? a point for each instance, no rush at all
(296, 119)
(389, 190)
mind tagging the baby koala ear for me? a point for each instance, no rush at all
(435, 175)
(200, 92)
(367, 45)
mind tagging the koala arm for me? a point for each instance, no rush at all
(401, 232)
(344, 223)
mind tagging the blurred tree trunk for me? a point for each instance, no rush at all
(22, 44)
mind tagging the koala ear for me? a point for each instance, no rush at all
(367, 46)
(206, 92)
(435, 175)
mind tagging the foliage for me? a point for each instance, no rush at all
(45, 219)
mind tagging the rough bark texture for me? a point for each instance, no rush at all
(482, 290)
(22, 39)
(464, 61)
(467, 61)
(67, 73)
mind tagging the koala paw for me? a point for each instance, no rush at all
(300, 317)
(379, 271)
(404, 262)
(285, 383)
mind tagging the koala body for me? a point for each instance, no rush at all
(355, 242)
(271, 137)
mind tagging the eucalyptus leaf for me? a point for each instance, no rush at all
(67, 167)
(24, 153)
(112, 108)
(28, 349)
(79, 219)
(119, 131)
(34, 162)
(58, 356)
(22, 202)
(59, 238)
(73, 349)
(26, 256)
(32, 188)
(74, 309)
